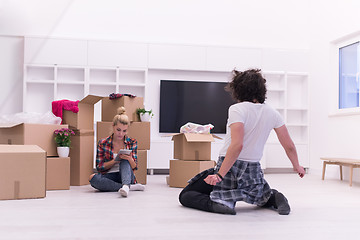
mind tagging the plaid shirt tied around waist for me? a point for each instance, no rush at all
(244, 182)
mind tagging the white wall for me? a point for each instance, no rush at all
(260, 23)
(268, 24)
(330, 136)
(11, 68)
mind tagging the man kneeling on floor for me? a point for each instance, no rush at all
(238, 175)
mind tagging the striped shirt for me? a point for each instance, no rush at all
(105, 153)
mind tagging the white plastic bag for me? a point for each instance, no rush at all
(196, 128)
(46, 118)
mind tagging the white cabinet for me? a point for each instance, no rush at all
(228, 58)
(117, 54)
(199, 58)
(184, 57)
(160, 154)
(293, 60)
(55, 51)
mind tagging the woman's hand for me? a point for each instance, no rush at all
(212, 179)
(125, 157)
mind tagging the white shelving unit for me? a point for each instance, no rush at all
(70, 69)
(44, 84)
(288, 94)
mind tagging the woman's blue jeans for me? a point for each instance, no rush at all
(112, 182)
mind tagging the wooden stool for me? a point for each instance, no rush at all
(352, 163)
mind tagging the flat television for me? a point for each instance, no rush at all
(199, 102)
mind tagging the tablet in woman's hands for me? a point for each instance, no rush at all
(125, 151)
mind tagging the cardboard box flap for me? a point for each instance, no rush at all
(196, 137)
(91, 99)
(9, 125)
(20, 148)
(217, 137)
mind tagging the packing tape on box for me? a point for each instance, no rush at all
(16, 189)
(197, 155)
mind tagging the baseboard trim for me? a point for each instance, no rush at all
(165, 171)
(158, 171)
(279, 170)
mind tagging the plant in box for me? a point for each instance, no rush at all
(63, 141)
(144, 115)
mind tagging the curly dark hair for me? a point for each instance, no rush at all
(247, 86)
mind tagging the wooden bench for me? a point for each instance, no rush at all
(352, 163)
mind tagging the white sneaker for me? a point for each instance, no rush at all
(137, 187)
(124, 191)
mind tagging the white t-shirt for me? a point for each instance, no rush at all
(116, 166)
(258, 119)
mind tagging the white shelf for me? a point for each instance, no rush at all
(130, 77)
(132, 84)
(266, 73)
(75, 82)
(298, 74)
(102, 76)
(276, 90)
(37, 73)
(275, 81)
(41, 81)
(288, 94)
(66, 74)
(71, 83)
(102, 90)
(71, 92)
(102, 84)
(276, 99)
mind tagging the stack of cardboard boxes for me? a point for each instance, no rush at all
(29, 157)
(82, 144)
(192, 152)
(27, 153)
(82, 150)
(138, 130)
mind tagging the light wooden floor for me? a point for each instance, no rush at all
(327, 209)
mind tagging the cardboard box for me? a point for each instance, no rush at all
(141, 132)
(192, 146)
(141, 172)
(81, 157)
(23, 172)
(109, 107)
(31, 134)
(181, 171)
(58, 173)
(84, 119)
(138, 130)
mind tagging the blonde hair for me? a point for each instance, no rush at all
(121, 117)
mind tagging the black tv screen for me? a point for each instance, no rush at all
(193, 101)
